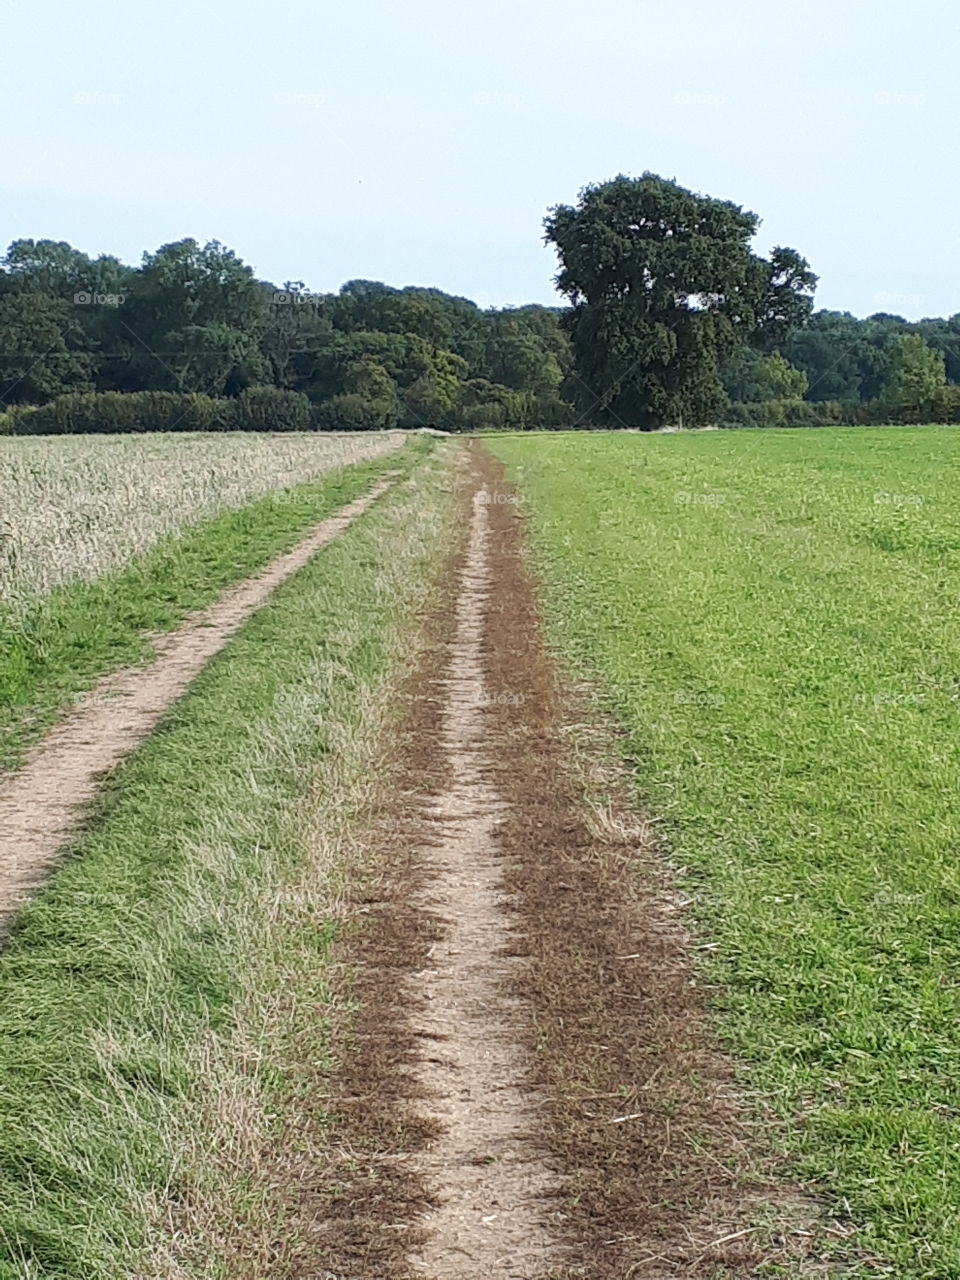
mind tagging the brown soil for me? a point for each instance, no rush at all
(530, 1090)
(42, 803)
(489, 1182)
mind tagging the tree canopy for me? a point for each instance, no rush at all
(664, 287)
(672, 318)
(194, 318)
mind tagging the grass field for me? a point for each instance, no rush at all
(120, 538)
(155, 998)
(773, 616)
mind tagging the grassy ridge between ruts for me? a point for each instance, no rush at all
(83, 630)
(774, 618)
(150, 996)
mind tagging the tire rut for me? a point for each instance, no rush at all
(41, 805)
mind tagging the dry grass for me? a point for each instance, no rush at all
(662, 1176)
(267, 1095)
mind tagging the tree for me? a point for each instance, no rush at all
(180, 291)
(663, 288)
(41, 344)
(518, 357)
(434, 399)
(753, 378)
(299, 326)
(55, 267)
(787, 299)
(917, 376)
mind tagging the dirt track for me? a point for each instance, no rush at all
(42, 803)
(531, 1092)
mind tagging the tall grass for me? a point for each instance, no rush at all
(77, 507)
(81, 630)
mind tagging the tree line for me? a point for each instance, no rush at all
(194, 320)
(672, 318)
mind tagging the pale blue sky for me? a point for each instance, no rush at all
(421, 141)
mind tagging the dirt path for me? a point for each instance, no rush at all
(489, 1184)
(42, 803)
(530, 1090)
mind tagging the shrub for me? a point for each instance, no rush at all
(271, 409)
(946, 404)
(355, 412)
(790, 413)
(118, 412)
(482, 417)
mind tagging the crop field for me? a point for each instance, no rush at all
(531, 856)
(105, 541)
(76, 507)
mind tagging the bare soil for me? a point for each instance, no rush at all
(41, 805)
(489, 1182)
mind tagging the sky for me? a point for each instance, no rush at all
(422, 141)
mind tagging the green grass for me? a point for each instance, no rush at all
(148, 995)
(83, 630)
(774, 617)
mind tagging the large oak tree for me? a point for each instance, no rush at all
(664, 286)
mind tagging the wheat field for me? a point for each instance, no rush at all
(76, 507)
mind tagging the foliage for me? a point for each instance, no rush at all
(751, 376)
(672, 316)
(271, 409)
(115, 413)
(194, 319)
(787, 413)
(916, 376)
(41, 345)
(664, 287)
